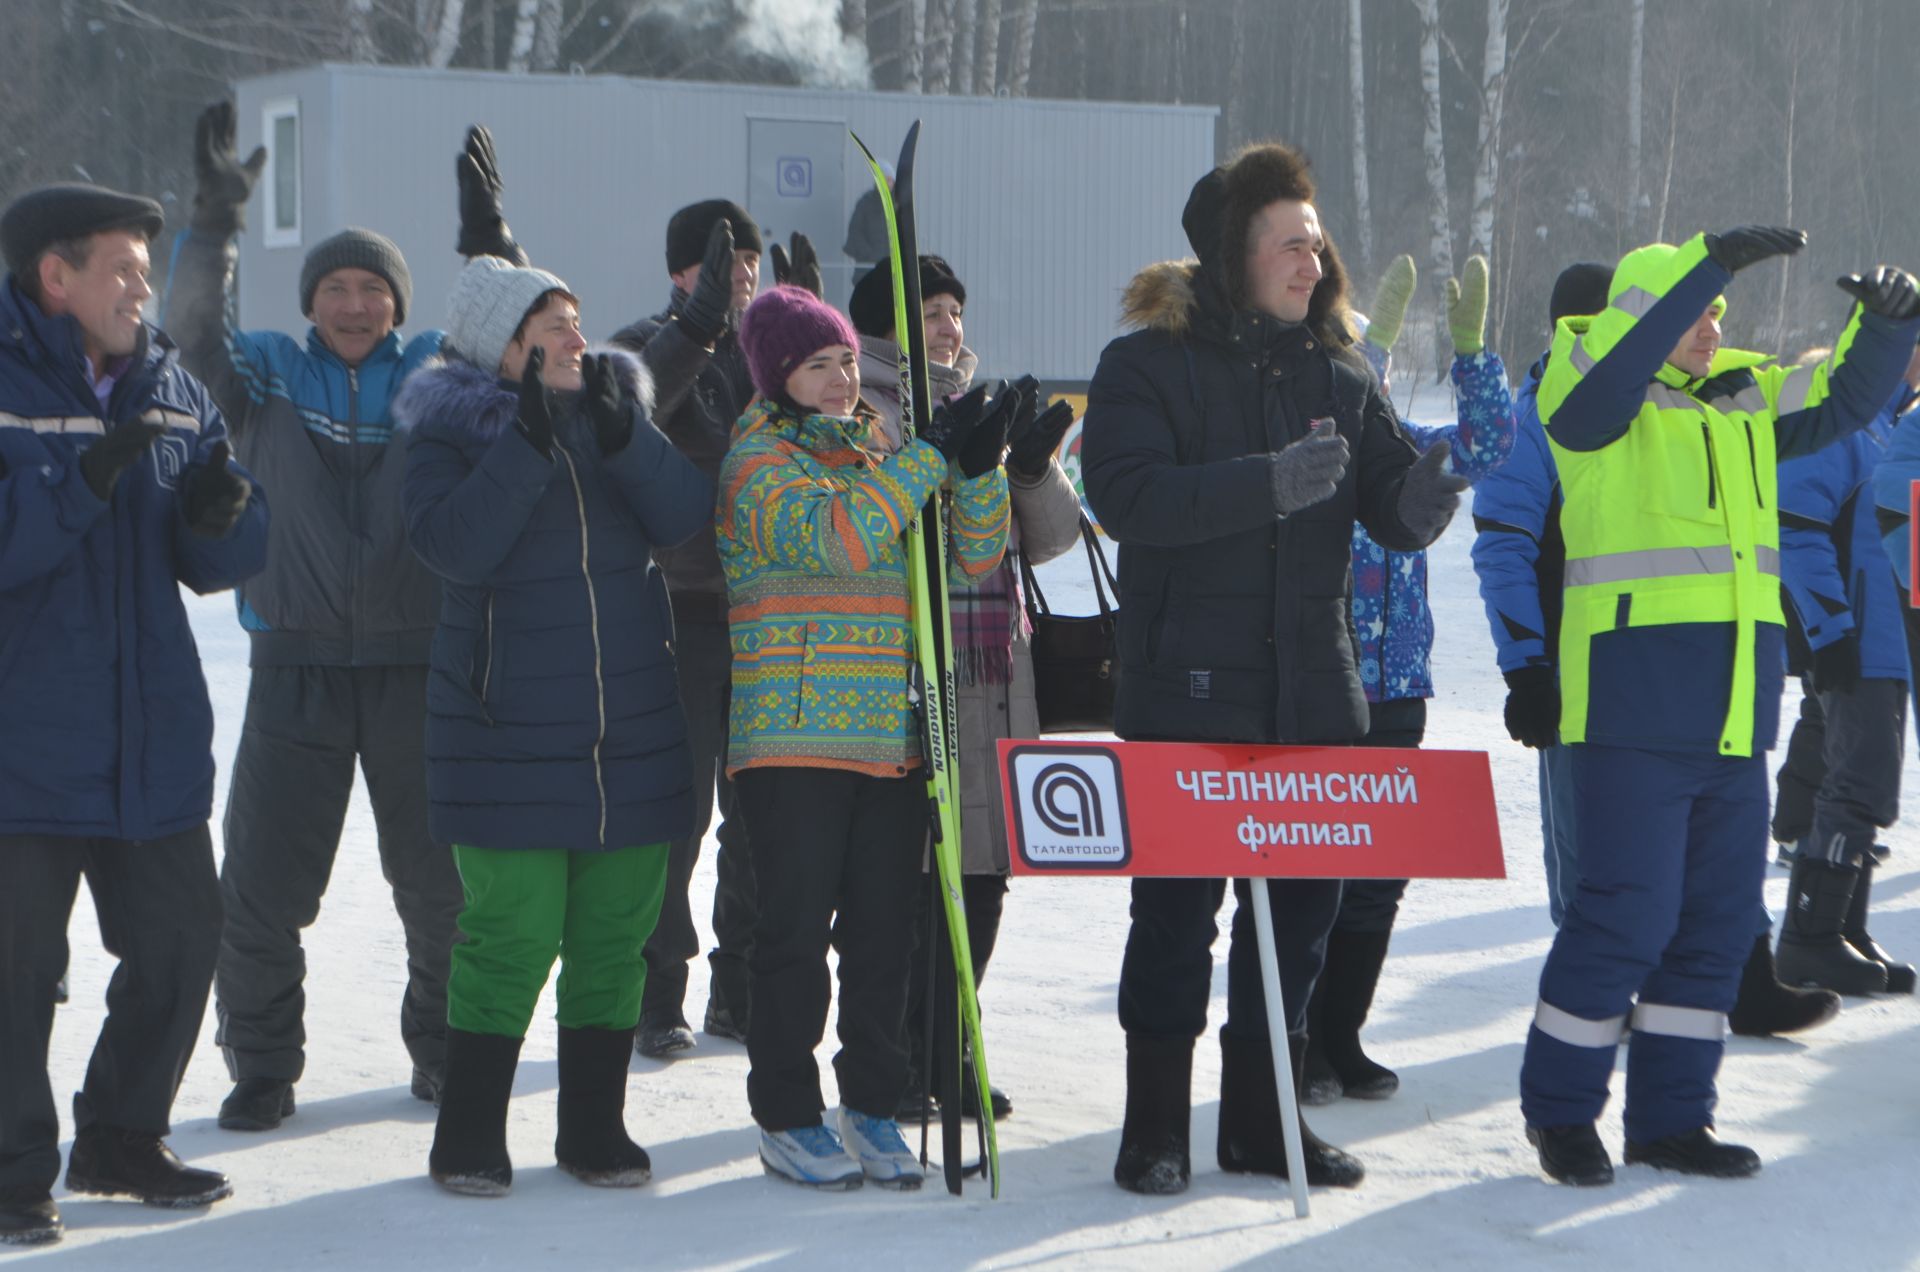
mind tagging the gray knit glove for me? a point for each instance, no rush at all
(1309, 470)
(1430, 495)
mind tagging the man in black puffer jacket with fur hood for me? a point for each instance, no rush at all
(1230, 445)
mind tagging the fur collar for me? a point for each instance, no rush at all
(450, 395)
(1170, 296)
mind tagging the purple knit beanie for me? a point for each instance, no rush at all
(783, 328)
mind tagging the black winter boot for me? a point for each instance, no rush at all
(1344, 994)
(1813, 950)
(28, 1219)
(256, 1104)
(113, 1162)
(1695, 1152)
(469, 1153)
(1767, 1007)
(1153, 1141)
(1900, 976)
(1319, 1084)
(592, 1144)
(1572, 1154)
(1251, 1140)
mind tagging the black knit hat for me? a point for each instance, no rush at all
(40, 218)
(871, 305)
(1579, 292)
(688, 230)
(355, 248)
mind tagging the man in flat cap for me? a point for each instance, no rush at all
(115, 488)
(339, 623)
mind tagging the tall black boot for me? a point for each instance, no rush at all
(1813, 950)
(1319, 1084)
(1766, 1007)
(1353, 967)
(1153, 1141)
(469, 1153)
(592, 1144)
(1251, 1140)
(1900, 976)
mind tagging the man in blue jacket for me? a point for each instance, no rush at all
(1840, 783)
(115, 488)
(339, 623)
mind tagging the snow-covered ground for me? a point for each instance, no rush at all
(1450, 1183)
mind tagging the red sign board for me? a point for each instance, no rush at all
(1199, 810)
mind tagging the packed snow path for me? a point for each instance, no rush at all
(1450, 1182)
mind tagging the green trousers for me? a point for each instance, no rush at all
(592, 910)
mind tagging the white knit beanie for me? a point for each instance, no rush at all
(490, 299)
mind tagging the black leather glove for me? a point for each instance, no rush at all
(223, 183)
(606, 403)
(985, 448)
(705, 315)
(1533, 706)
(802, 269)
(1836, 664)
(102, 463)
(1884, 290)
(954, 422)
(534, 417)
(213, 495)
(1031, 448)
(1733, 250)
(483, 230)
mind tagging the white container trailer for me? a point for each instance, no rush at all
(1044, 208)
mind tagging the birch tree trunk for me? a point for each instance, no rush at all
(939, 44)
(986, 74)
(1493, 86)
(913, 25)
(961, 80)
(853, 20)
(446, 36)
(520, 47)
(1236, 106)
(1786, 266)
(360, 46)
(1357, 85)
(1020, 57)
(546, 36)
(1636, 111)
(1439, 219)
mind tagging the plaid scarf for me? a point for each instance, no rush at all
(986, 618)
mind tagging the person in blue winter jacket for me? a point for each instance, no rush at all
(1840, 782)
(1519, 556)
(1893, 483)
(1394, 623)
(116, 488)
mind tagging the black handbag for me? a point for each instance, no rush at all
(1076, 661)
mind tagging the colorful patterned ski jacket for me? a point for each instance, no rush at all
(811, 529)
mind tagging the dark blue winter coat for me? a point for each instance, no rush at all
(1518, 553)
(105, 727)
(553, 712)
(1893, 484)
(1839, 583)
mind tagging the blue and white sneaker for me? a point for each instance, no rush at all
(882, 1153)
(811, 1156)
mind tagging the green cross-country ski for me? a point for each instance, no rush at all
(934, 683)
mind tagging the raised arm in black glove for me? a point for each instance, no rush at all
(534, 417)
(214, 496)
(705, 315)
(223, 183)
(986, 447)
(802, 269)
(1035, 437)
(608, 405)
(1884, 290)
(1733, 250)
(1533, 706)
(102, 463)
(954, 422)
(483, 230)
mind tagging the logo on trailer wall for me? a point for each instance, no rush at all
(793, 177)
(1069, 807)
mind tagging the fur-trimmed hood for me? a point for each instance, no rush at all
(453, 396)
(1172, 297)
